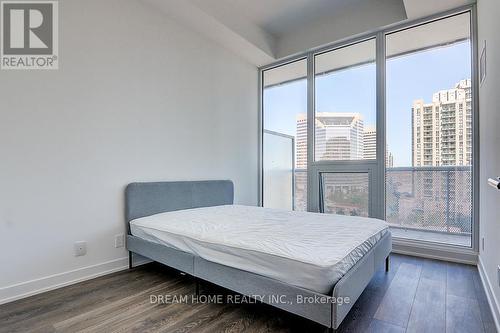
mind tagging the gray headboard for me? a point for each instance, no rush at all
(145, 199)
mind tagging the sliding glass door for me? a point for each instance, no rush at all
(380, 126)
(429, 132)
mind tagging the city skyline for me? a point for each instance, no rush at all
(408, 79)
(441, 132)
(338, 136)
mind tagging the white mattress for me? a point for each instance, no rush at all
(307, 250)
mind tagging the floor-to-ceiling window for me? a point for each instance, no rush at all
(429, 131)
(284, 140)
(380, 126)
(345, 127)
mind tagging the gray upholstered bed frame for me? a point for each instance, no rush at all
(145, 199)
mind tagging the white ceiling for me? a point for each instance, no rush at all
(422, 8)
(265, 30)
(278, 17)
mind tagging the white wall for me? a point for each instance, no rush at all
(137, 98)
(489, 113)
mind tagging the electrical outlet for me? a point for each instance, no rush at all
(80, 248)
(119, 240)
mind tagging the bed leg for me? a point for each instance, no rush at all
(197, 286)
(130, 265)
(331, 330)
(387, 261)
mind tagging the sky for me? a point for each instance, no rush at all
(410, 77)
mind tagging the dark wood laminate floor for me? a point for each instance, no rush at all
(417, 295)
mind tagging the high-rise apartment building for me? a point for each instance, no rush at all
(389, 159)
(442, 129)
(370, 147)
(301, 142)
(339, 136)
(370, 143)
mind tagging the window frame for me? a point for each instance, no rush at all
(376, 168)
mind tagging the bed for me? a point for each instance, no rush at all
(313, 265)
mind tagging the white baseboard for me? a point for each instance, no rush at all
(492, 300)
(37, 286)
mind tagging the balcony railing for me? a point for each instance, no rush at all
(437, 199)
(431, 199)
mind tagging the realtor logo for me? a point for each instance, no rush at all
(29, 32)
